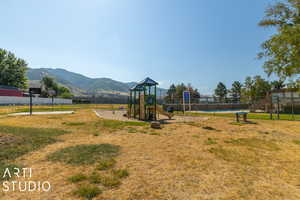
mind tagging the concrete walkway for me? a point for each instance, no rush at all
(42, 113)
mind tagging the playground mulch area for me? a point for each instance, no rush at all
(215, 158)
(113, 115)
(119, 115)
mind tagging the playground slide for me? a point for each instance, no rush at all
(162, 112)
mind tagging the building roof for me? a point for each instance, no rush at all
(34, 84)
(6, 87)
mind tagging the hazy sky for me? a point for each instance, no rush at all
(200, 42)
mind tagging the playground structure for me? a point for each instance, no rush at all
(142, 102)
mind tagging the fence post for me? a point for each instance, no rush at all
(30, 103)
(271, 109)
(293, 114)
(278, 117)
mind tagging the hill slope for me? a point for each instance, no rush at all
(80, 84)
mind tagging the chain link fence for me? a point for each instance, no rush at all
(277, 107)
(205, 104)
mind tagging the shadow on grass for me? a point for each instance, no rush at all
(243, 123)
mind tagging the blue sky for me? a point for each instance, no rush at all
(200, 42)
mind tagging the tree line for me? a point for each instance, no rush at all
(13, 73)
(253, 89)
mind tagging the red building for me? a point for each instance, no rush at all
(10, 91)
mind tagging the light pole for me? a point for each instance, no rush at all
(52, 93)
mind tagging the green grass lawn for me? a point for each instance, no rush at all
(18, 141)
(264, 116)
(85, 154)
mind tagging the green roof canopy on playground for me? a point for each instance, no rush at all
(146, 82)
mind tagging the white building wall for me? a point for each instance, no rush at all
(7, 100)
(286, 94)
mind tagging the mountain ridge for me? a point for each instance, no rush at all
(80, 84)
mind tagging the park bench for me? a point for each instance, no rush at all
(238, 114)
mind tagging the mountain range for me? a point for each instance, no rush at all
(81, 85)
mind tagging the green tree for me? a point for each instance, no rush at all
(50, 84)
(282, 50)
(221, 91)
(175, 93)
(12, 70)
(171, 94)
(248, 91)
(64, 92)
(193, 91)
(179, 91)
(255, 88)
(236, 90)
(277, 85)
(262, 87)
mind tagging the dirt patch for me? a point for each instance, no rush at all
(6, 139)
(113, 115)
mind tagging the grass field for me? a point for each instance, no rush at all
(12, 109)
(85, 157)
